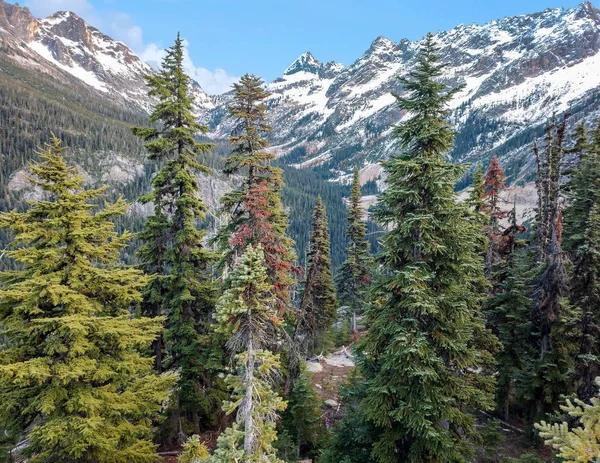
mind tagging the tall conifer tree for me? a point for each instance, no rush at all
(493, 184)
(71, 372)
(475, 199)
(355, 274)
(318, 305)
(427, 357)
(582, 241)
(549, 370)
(256, 214)
(173, 253)
(247, 316)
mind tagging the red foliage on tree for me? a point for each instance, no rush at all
(493, 184)
(259, 228)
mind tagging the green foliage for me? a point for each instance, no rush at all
(582, 241)
(255, 214)
(475, 199)
(194, 451)
(172, 253)
(492, 437)
(508, 313)
(318, 305)
(352, 440)
(355, 274)
(427, 357)
(70, 371)
(247, 315)
(549, 370)
(302, 418)
(580, 443)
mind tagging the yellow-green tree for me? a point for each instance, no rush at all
(580, 444)
(71, 372)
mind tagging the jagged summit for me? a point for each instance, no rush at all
(516, 71)
(65, 43)
(305, 62)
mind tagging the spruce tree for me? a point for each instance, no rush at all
(508, 314)
(247, 315)
(355, 274)
(302, 419)
(493, 184)
(173, 253)
(255, 212)
(582, 241)
(71, 373)
(427, 357)
(549, 370)
(318, 306)
(475, 199)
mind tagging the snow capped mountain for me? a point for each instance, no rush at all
(66, 42)
(517, 72)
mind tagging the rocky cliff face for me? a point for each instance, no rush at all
(517, 72)
(63, 43)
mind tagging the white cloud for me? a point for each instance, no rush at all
(121, 27)
(212, 82)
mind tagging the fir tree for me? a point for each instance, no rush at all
(549, 370)
(475, 199)
(493, 184)
(247, 315)
(71, 372)
(508, 313)
(578, 444)
(427, 356)
(256, 214)
(302, 418)
(354, 276)
(173, 254)
(582, 241)
(318, 305)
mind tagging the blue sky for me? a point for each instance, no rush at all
(227, 38)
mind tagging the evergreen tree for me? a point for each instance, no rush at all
(582, 235)
(427, 357)
(549, 370)
(352, 439)
(256, 214)
(173, 254)
(247, 315)
(578, 444)
(71, 373)
(302, 418)
(475, 199)
(493, 184)
(354, 276)
(508, 314)
(318, 305)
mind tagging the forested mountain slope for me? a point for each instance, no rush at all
(40, 96)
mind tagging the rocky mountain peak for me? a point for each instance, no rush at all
(516, 73)
(587, 10)
(380, 43)
(17, 20)
(305, 62)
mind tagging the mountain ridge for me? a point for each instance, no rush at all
(517, 72)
